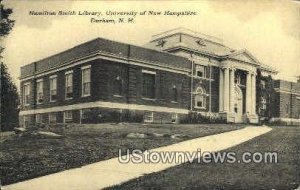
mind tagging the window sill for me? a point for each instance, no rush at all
(151, 99)
(68, 98)
(175, 102)
(148, 121)
(87, 95)
(52, 100)
(199, 107)
(203, 78)
(117, 96)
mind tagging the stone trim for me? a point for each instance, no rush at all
(111, 105)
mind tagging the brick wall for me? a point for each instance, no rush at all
(288, 98)
(103, 74)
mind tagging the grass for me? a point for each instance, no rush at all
(283, 175)
(26, 157)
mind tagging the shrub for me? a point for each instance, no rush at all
(198, 118)
(117, 116)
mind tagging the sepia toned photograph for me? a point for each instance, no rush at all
(150, 95)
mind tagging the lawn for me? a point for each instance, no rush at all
(26, 157)
(283, 175)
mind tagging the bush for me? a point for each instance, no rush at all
(198, 118)
(117, 116)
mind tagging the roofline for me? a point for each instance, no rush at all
(99, 38)
(182, 30)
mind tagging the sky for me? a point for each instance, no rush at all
(270, 30)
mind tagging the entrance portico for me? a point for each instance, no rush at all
(231, 96)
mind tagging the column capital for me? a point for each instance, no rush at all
(251, 72)
(225, 67)
(254, 73)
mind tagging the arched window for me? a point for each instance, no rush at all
(117, 86)
(174, 94)
(200, 98)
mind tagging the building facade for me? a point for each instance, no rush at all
(287, 101)
(177, 72)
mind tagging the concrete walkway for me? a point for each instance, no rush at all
(111, 172)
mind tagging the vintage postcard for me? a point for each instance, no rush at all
(150, 95)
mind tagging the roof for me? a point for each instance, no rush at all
(187, 40)
(184, 40)
(182, 30)
(107, 47)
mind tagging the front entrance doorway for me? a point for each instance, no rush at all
(238, 104)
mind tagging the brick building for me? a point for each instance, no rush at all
(178, 71)
(286, 103)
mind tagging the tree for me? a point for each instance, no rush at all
(9, 94)
(6, 24)
(267, 93)
(9, 101)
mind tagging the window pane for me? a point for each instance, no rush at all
(69, 85)
(175, 94)
(117, 87)
(148, 85)
(200, 71)
(86, 81)
(148, 116)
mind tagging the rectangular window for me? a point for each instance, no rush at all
(69, 85)
(38, 118)
(68, 116)
(39, 91)
(53, 88)
(148, 117)
(85, 115)
(117, 86)
(174, 117)
(201, 71)
(86, 80)
(148, 85)
(26, 93)
(200, 101)
(52, 117)
(174, 94)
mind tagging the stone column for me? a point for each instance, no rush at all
(253, 89)
(226, 89)
(221, 91)
(248, 93)
(231, 91)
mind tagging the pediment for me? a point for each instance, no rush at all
(245, 56)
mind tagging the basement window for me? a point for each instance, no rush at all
(38, 118)
(174, 117)
(52, 117)
(148, 117)
(68, 116)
